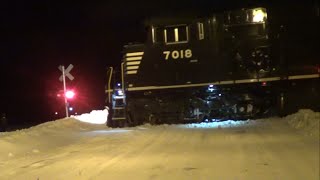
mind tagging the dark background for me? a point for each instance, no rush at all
(38, 36)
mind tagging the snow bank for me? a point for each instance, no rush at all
(305, 120)
(95, 117)
(43, 137)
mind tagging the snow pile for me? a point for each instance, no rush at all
(306, 120)
(95, 117)
(45, 136)
(70, 124)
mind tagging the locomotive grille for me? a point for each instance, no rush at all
(132, 62)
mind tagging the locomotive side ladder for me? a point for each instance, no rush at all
(116, 99)
(118, 106)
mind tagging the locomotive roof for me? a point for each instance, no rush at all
(168, 20)
(189, 17)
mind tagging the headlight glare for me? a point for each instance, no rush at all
(259, 15)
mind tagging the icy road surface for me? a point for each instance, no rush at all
(70, 149)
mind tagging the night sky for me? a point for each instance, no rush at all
(38, 36)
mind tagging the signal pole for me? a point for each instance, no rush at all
(64, 91)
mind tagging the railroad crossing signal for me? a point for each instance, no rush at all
(65, 72)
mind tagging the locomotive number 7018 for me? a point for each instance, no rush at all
(178, 54)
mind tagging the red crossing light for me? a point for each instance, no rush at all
(69, 94)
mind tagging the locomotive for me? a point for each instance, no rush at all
(237, 64)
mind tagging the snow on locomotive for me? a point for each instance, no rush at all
(238, 64)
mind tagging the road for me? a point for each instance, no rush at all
(264, 149)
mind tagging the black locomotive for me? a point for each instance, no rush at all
(239, 64)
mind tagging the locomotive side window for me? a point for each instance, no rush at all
(153, 34)
(176, 34)
(200, 31)
(157, 35)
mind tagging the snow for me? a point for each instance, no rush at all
(305, 120)
(95, 117)
(83, 148)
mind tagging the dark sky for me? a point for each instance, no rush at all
(38, 36)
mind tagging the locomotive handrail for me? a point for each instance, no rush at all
(303, 76)
(109, 84)
(243, 24)
(122, 76)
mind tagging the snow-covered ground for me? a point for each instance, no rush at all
(276, 148)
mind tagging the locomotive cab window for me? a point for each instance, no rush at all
(157, 34)
(176, 34)
(200, 31)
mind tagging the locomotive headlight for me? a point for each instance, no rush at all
(211, 88)
(259, 15)
(120, 92)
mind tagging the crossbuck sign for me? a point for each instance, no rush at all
(65, 72)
